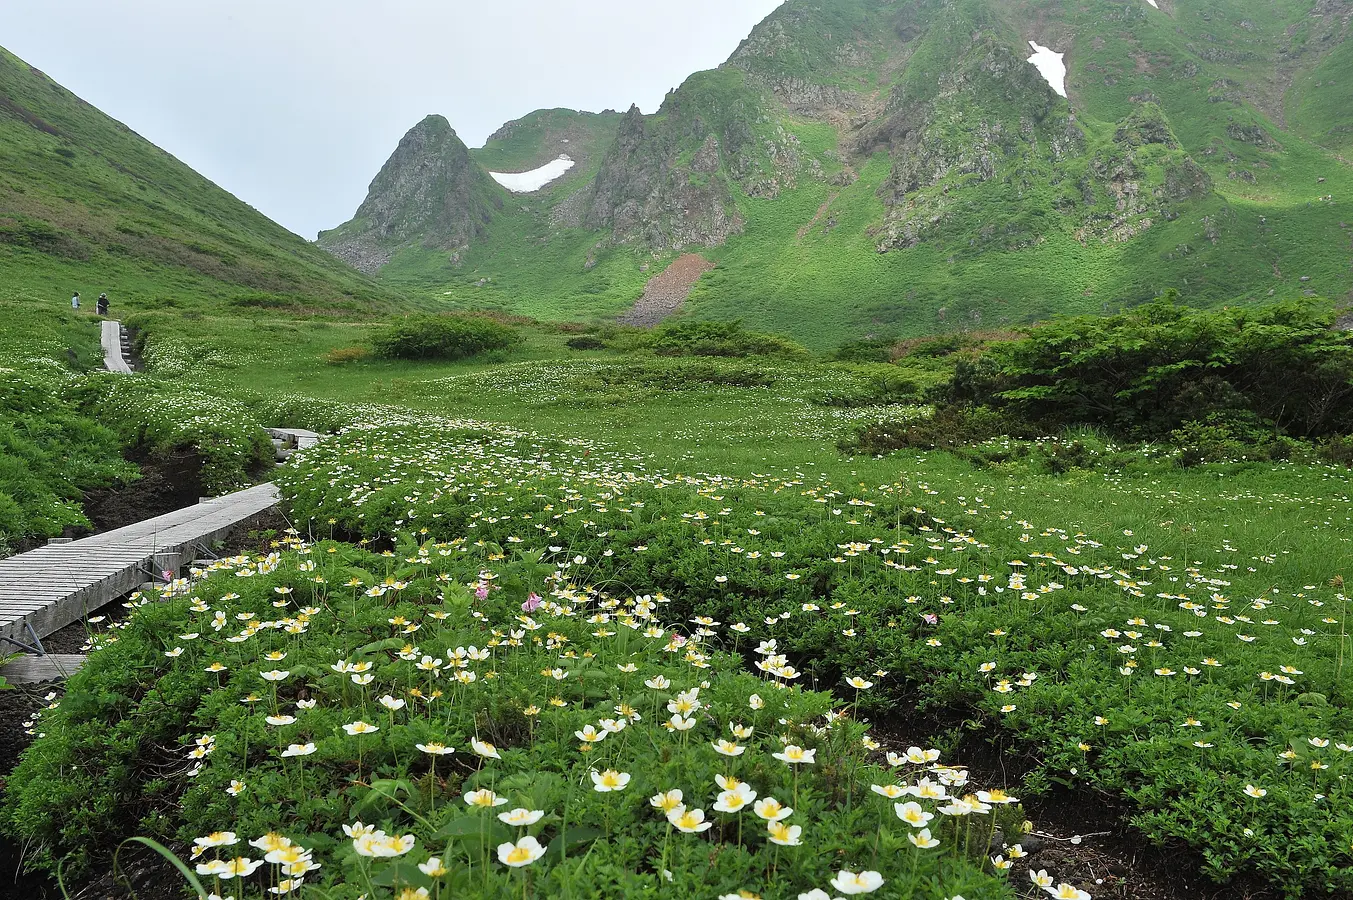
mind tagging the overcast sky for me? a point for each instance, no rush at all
(294, 105)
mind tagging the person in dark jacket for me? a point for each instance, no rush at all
(102, 305)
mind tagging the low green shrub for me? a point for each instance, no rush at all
(1231, 439)
(695, 338)
(586, 342)
(948, 428)
(870, 350)
(1338, 450)
(443, 337)
(50, 455)
(875, 385)
(1148, 372)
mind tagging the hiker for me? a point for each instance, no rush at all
(75, 301)
(101, 307)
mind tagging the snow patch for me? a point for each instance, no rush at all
(534, 180)
(1050, 66)
(1154, 3)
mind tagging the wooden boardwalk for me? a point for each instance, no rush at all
(111, 339)
(33, 669)
(47, 589)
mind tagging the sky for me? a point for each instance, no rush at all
(294, 105)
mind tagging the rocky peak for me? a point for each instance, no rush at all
(429, 192)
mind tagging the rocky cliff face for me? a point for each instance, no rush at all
(642, 195)
(430, 193)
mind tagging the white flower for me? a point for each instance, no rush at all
(610, 780)
(522, 853)
(360, 727)
(521, 818)
(690, 821)
(484, 749)
(484, 798)
(913, 814)
(794, 754)
(848, 882)
(1067, 892)
(735, 800)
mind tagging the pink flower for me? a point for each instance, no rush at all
(532, 602)
(930, 618)
(481, 590)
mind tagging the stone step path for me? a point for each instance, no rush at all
(111, 338)
(44, 590)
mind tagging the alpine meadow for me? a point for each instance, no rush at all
(913, 462)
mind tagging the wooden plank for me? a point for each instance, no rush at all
(60, 584)
(33, 669)
(111, 340)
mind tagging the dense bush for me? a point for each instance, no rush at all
(865, 351)
(1147, 372)
(875, 385)
(586, 342)
(1338, 450)
(49, 455)
(691, 338)
(949, 428)
(443, 337)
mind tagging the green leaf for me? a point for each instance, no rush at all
(471, 828)
(170, 857)
(402, 872)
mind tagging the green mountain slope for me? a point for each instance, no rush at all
(85, 203)
(896, 168)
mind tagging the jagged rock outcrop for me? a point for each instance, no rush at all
(642, 196)
(429, 193)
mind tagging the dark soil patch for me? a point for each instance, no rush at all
(133, 354)
(16, 707)
(1079, 836)
(167, 483)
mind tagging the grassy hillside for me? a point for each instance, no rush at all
(545, 134)
(86, 204)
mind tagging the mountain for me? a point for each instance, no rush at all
(429, 192)
(86, 203)
(894, 168)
